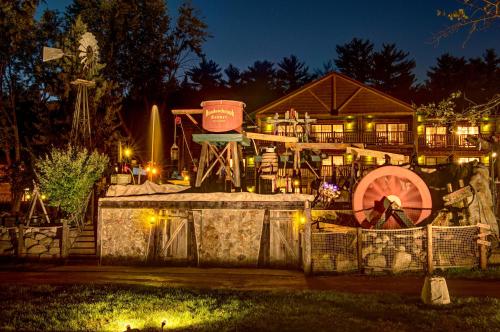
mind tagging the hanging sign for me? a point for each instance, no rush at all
(222, 115)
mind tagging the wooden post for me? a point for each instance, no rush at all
(201, 165)
(430, 257)
(20, 241)
(483, 251)
(236, 164)
(307, 239)
(65, 239)
(359, 238)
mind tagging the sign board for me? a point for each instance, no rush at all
(457, 196)
(484, 243)
(485, 226)
(222, 115)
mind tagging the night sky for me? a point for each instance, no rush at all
(246, 31)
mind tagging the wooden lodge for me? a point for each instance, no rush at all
(343, 118)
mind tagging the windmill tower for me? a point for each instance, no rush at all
(88, 55)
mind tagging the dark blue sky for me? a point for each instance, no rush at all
(248, 30)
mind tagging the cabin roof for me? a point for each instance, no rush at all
(335, 95)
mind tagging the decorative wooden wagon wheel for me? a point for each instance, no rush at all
(391, 197)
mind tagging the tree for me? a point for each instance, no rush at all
(474, 15)
(393, 71)
(233, 75)
(206, 76)
(355, 59)
(67, 177)
(291, 74)
(446, 77)
(259, 84)
(325, 70)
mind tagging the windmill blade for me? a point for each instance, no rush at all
(50, 53)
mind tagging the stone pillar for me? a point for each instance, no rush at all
(307, 239)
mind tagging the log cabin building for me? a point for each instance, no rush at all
(347, 114)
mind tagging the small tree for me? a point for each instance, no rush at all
(67, 176)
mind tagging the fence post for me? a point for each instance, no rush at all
(307, 239)
(483, 254)
(65, 238)
(20, 241)
(359, 238)
(430, 257)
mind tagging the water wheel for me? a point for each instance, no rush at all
(391, 193)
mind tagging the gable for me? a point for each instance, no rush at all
(337, 94)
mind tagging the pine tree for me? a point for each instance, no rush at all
(355, 59)
(291, 74)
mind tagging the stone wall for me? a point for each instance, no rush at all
(42, 242)
(210, 232)
(124, 234)
(229, 237)
(7, 241)
(38, 242)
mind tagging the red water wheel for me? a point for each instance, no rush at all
(399, 185)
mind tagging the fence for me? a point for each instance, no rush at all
(346, 249)
(36, 241)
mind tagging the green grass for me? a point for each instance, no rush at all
(111, 308)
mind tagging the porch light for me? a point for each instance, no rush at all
(152, 220)
(44, 197)
(127, 152)
(186, 178)
(296, 183)
(494, 154)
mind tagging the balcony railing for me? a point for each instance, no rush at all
(443, 141)
(375, 138)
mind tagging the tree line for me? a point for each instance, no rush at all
(147, 57)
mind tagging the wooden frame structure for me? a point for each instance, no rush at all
(223, 148)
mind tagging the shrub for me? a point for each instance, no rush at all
(67, 177)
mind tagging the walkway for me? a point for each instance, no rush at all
(242, 279)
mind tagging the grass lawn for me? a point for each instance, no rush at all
(111, 308)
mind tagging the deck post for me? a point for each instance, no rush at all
(307, 262)
(430, 257)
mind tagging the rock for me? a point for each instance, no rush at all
(401, 262)
(46, 241)
(345, 264)
(56, 243)
(54, 251)
(36, 249)
(29, 242)
(47, 256)
(435, 291)
(377, 261)
(39, 236)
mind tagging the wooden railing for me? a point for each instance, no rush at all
(375, 138)
(443, 141)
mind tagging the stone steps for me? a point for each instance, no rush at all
(84, 247)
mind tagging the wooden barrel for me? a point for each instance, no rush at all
(269, 163)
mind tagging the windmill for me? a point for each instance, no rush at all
(88, 55)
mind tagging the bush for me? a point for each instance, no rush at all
(67, 177)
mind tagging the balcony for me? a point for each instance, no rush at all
(449, 141)
(370, 138)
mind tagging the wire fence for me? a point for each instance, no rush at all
(397, 250)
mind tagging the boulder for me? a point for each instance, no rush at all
(345, 264)
(435, 291)
(39, 236)
(376, 261)
(54, 251)
(46, 241)
(401, 262)
(36, 249)
(29, 242)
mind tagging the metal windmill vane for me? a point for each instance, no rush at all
(88, 54)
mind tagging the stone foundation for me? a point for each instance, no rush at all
(219, 229)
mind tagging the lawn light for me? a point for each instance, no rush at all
(186, 178)
(148, 169)
(302, 220)
(154, 170)
(296, 183)
(494, 154)
(127, 152)
(44, 197)
(163, 324)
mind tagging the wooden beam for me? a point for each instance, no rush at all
(319, 100)
(272, 138)
(187, 111)
(318, 146)
(201, 165)
(192, 119)
(350, 99)
(236, 164)
(378, 154)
